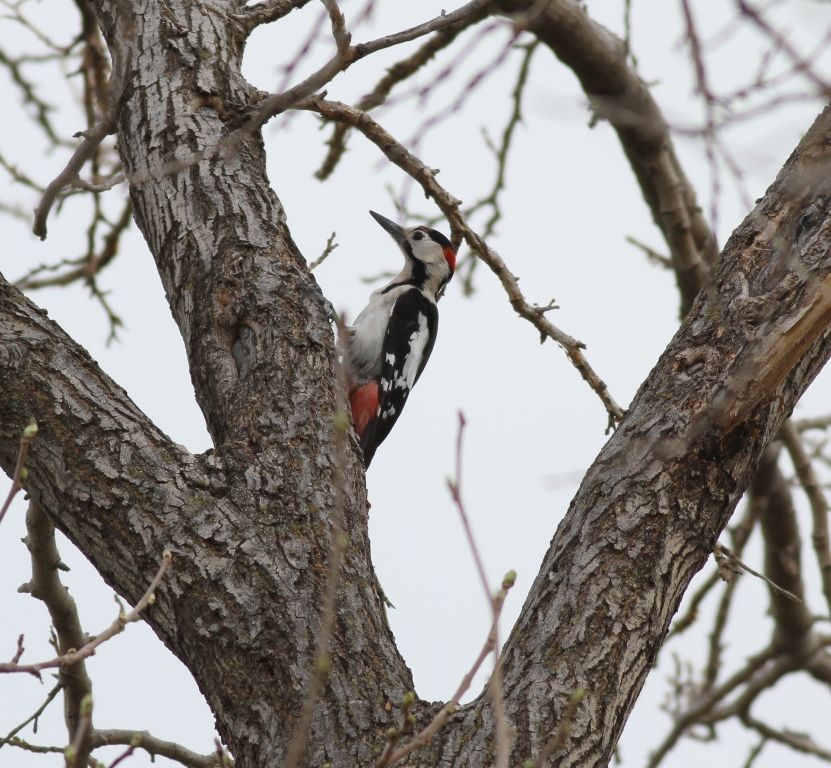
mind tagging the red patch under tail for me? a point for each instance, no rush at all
(364, 402)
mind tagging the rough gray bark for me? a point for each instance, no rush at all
(250, 520)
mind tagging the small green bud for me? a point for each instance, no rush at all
(86, 705)
(24, 473)
(135, 740)
(326, 765)
(392, 733)
(408, 700)
(31, 429)
(411, 719)
(509, 580)
(578, 695)
(528, 764)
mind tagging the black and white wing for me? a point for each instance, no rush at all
(408, 342)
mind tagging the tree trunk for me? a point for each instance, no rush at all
(250, 520)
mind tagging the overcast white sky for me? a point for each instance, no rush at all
(533, 425)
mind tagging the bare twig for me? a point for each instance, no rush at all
(558, 740)
(327, 250)
(729, 565)
(84, 268)
(84, 151)
(77, 751)
(434, 726)
(34, 717)
(491, 200)
(460, 229)
(502, 728)
(650, 253)
(819, 505)
(20, 471)
(799, 742)
(395, 75)
(348, 55)
(782, 44)
(155, 746)
(122, 757)
(122, 620)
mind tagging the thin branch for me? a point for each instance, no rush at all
(122, 757)
(449, 206)
(36, 748)
(20, 471)
(344, 58)
(730, 564)
(84, 268)
(434, 726)
(47, 587)
(75, 755)
(816, 498)
(650, 253)
(395, 75)
(267, 11)
(327, 250)
(491, 200)
(84, 151)
(559, 739)
(707, 703)
(34, 717)
(782, 44)
(122, 620)
(799, 742)
(502, 729)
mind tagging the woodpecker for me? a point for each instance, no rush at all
(393, 336)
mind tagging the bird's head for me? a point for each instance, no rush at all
(430, 257)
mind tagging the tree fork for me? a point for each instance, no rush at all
(250, 521)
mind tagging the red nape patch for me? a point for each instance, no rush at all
(364, 402)
(450, 258)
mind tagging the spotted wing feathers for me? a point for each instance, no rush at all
(408, 342)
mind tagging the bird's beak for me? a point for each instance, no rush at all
(396, 232)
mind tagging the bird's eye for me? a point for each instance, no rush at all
(418, 236)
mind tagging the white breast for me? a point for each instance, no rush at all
(367, 335)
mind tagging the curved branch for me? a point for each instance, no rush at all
(450, 207)
(617, 94)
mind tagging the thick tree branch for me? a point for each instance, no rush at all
(155, 746)
(249, 521)
(617, 94)
(46, 586)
